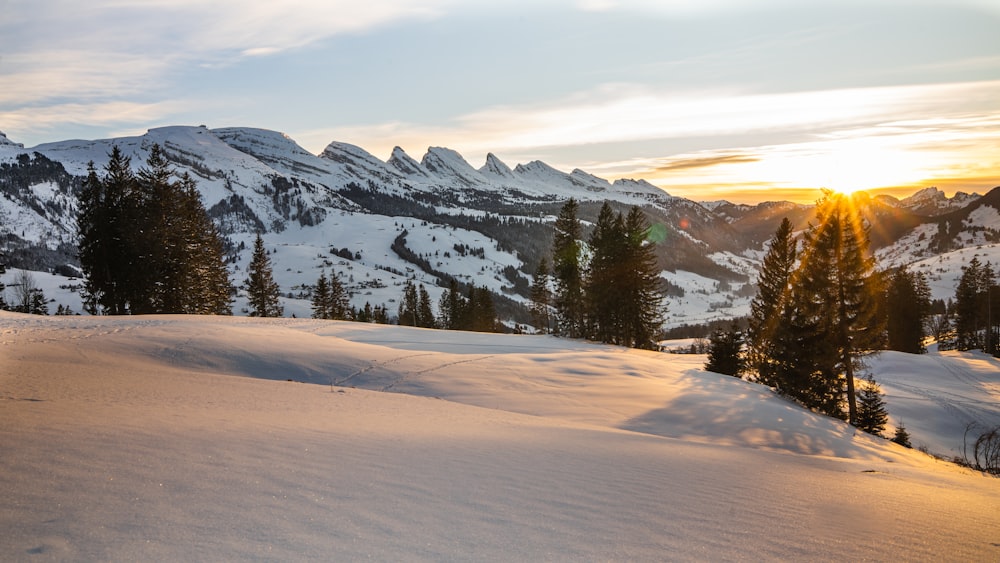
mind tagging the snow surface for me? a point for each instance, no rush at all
(131, 439)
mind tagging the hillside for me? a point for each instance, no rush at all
(378, 223)
(166, 438)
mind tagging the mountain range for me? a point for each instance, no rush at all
(377, 223)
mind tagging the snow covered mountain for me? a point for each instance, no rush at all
(376, 223)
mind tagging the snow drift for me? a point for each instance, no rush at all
(130, 439)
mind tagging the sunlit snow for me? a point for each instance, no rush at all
(202, 438)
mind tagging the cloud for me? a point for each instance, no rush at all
(32, 121)
(675, 164)
(624, 113)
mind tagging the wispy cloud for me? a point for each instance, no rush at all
(625, 113)
(119, 114)
(675, 164)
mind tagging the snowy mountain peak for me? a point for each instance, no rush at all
(588, 180)
(496, 167)
(405, 163)
(932, 202)
(537, 169)
(628, 185)
(447, 163)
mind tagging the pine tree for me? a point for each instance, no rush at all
(106, 221)
(262, 291)
(409, 306)
(425, 314)
(567, 272)
(541, 298)
(907, 306)
(977, 308)
(641, 308)
(3, 288)
(835, 302)
(901, 436)
(768, 330)
(480, 312)
(725, 352)
(450, 306)
(339, 301)
(146, 243)
(872, 416)
(209, 288)
(603, 291)
(321, 298)
(380, 314)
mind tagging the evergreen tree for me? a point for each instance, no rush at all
(602, 289)
(567, 272)
(836, 305)
(147, 244)
(480, 312)
(39, 304)
(409, 306)
(641, 298)
(3, 270)
(451, 306)
(725, 349)
(209, 288)
(769, 325)
(380, 314)
(262, 291)
(339, 300)
(106, 221)
(541, 298)
(901, 436)
(321, 298)
(907, 302)
(872, 416)
(425, 314)
(976, 310)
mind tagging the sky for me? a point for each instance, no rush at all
(734, 99)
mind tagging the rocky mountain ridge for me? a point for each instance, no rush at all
(427, 220)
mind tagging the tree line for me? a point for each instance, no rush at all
(146, 243)
(607, 288)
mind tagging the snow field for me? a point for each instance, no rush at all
(131, 439)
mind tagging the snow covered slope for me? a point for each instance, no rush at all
(345, 210)
(131, 439)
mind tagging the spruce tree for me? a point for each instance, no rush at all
(975, 309)
(321, 298)
(107, 220)
(872, 416)
(541, 298)
(567, 270)
(641, 307)
(768, 331)
(603, 291)
(725, 352)
(836, 304)
(262, 291)
(425, 314)
(450, 306)
(901, 436)
(409, 306)
(3, 288)
(907, 306)
(209, 288)
(146, 243)
(339, 302)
